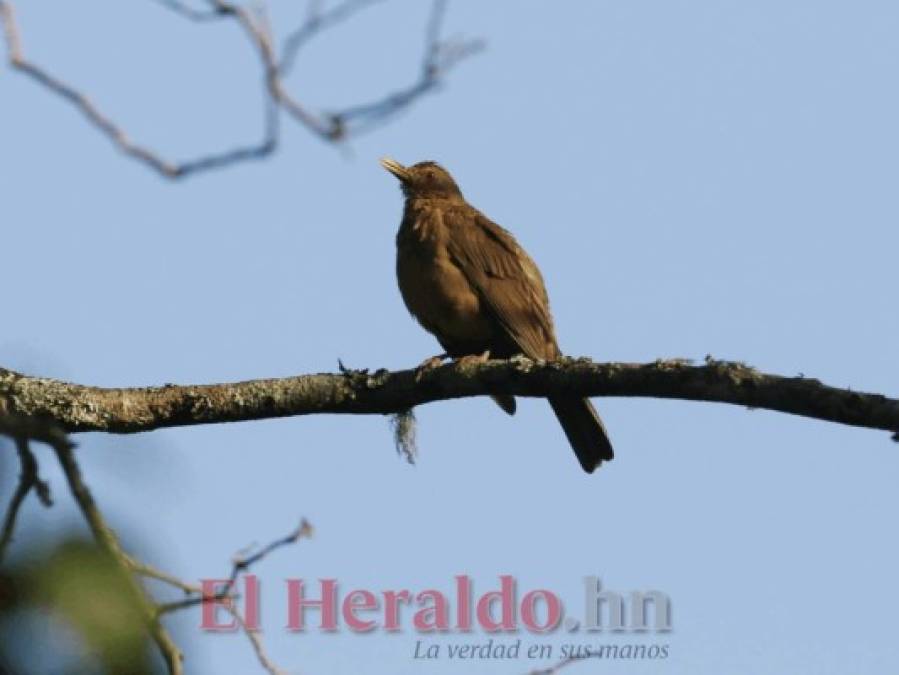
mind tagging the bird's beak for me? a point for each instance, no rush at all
(395, 168)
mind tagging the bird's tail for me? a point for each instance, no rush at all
(584, 429)
(506, 402)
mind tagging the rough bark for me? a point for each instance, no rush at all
(76, 407)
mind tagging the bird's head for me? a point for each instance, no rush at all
(425, 179)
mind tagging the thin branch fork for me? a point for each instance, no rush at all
(23, 429)
(114, 132)
(109, 542)
(333, 126)
(241, 563)
(83, 408)
(224, 595)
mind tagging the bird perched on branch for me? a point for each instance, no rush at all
(468, 282)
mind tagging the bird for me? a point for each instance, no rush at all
(469, 283)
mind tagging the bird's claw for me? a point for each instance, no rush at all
(428, 365)
(473, 359)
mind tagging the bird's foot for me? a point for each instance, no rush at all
(429, 365)
(473, 359)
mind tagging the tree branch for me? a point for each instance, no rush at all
(109, 543)
(43, 429)
(315, 22)
(82, 408)
(241, 563)
(331, 126)
(225, 595)
(112, 130)
(28, 479)
(564, 663)
(22, 430)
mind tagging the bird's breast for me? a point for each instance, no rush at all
(436, 291)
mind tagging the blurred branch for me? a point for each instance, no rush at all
(317, 21)
(189, 12)
(21, 430)
(440, 57)
(225, 595)
(564, 663)
(109, 543)
(255, 642)
(241, 563)
(82, 408)
(113, 131)
(244, 560)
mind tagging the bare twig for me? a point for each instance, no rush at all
(108, 542)
(330, 126)
(38, 428)
(439, 58)
(80, 408)
(241, 563)
(189, 12)
(256, 642)
(32, 428)
(258, 33)
(112, 130)
(225, 594)
(28, 479)
(564, 663)
(317, 21)
(12, 513)
(146, 570)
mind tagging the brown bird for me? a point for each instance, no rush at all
(468, 282)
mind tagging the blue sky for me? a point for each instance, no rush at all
(693, 178)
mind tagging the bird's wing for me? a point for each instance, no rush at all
(505, 278)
